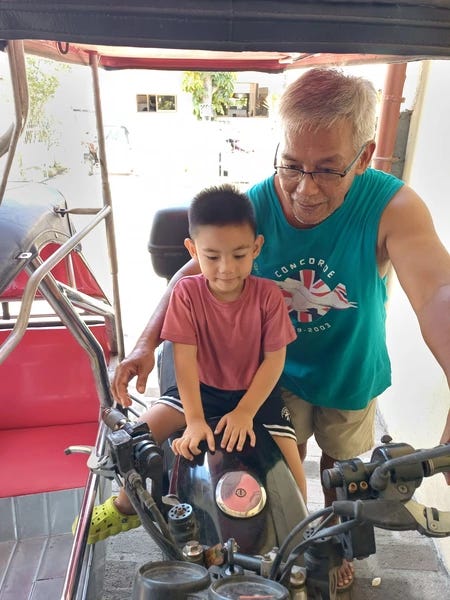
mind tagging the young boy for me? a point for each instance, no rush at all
(229, 331)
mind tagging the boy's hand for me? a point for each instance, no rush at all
(236, 426)
(195, 432)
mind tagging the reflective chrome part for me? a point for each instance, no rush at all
(239, 494)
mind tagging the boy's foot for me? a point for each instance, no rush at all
(346, 576)
(107, 520)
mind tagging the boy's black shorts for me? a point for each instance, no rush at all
(273, 414)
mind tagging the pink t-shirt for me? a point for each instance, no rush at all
(231, 337)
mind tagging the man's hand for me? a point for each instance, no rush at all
(195, 432)
(138, 364)
(236, 426)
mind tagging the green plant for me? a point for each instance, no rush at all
(42, 85)
(214, 90)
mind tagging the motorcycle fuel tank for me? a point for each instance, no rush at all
(250, 496)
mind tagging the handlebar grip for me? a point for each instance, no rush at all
(332, 478)
(441, 464)
(427, 462)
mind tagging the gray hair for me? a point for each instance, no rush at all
(323, 96)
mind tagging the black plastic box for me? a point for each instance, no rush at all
(169, 229)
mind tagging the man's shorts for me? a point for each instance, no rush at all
(273, 414)
(342, 434)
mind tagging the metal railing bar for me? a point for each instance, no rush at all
(33, 283)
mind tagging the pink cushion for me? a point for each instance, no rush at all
(33, 461)
(47, 380)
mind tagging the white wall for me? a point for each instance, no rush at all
(416, 405)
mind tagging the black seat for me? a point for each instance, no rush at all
(28, 221)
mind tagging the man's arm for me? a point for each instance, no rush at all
(422, 264)
(141, 360)
(238, 423)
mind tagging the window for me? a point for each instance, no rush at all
(156, 103)
(238, 105)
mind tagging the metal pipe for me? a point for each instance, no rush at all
(389, 117)
(85, 302)
(79, 545)
(18, 71)
(107, 201)
(93, 306)
(32, 285)
(80, 331)
(388, 126)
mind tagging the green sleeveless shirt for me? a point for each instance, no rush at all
(333, 291)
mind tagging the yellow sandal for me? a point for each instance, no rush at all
(107, 520)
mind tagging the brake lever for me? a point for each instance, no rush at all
(430, 521)
(396, 516)
(100, 465)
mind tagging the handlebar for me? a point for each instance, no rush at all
(136, 457)
(431, 461)
(377, 493)
(389, 465)
(380, 492)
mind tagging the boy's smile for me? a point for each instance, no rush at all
(225, 255)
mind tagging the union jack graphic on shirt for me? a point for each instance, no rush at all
(311, 298)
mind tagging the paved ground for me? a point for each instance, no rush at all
(406, 562)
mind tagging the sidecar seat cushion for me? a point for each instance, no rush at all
(33, 459)
(47, 379)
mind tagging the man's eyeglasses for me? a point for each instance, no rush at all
(323, 177)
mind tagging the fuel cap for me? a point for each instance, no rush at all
(239, 494)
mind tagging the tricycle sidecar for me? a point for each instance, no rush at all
(48, 391)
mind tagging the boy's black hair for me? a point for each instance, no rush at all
(219, 206)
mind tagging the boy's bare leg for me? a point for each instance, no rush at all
(290, 452)
(162, 420)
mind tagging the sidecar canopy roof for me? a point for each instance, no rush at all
(265, 35)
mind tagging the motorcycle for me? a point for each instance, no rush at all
(225, 530)
(222, 521)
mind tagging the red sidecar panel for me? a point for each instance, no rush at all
(49, 402)
(47, 380)
(47, 389)
(84, 280)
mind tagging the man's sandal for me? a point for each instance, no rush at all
(107, 520)
(350, 579)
